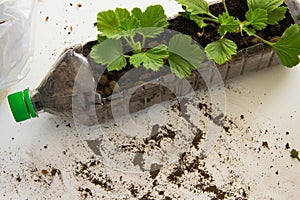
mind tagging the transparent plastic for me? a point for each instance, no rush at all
(143, 95)
(16, 49)
(294, 9)
(247, 60)
(68, 88)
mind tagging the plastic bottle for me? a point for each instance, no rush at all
(68, 90)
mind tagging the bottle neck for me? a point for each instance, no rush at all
(36, 101)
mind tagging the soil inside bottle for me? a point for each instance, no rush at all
(70, 77)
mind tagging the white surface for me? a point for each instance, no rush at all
(268, 100)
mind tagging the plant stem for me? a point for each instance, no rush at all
(225, 7)
(263, 40)
(135, 48)
(211, 15)
(210, 19)
(143, 41)
(129, 42)
(132, 40)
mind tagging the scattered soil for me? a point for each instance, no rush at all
(158, 135)
(45, 175)
(154, 170)
(198, 138)
(190, 173)
(85, 192)
(265, 144)
(83, 170)
(192, 164)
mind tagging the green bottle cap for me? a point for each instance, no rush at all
(21, 106)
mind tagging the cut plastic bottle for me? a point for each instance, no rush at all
(68, 90)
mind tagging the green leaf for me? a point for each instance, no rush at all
(179, 66)
(264, 4)
(228, 24)
(275, 11)
(195, 7)
(137, 12)
(127, 27)
(101, 38)
(276, 15)
(137, 47)
(154, 16)
(183, 55)
(109, 52)
(152, 59)
(145, 29)
(152, 21)
(119, 23)
(198, 20)
(185, 14)
(129, 23)
(257, 18)
(221, 51)
(249, 31)
(116, 24)
(149, 32)
(117, 64)
(122, 13)
(182, 45)
(287, 47)
(108, 23)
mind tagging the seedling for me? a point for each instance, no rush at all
(135, 27)
(260, 14)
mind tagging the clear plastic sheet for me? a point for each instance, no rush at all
(294, 8)
(16, 49)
